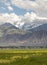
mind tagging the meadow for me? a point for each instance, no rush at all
(23, 57)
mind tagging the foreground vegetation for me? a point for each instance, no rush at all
(23, 57)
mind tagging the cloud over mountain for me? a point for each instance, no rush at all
(19, 21)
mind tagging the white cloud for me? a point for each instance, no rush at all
(11, 18)
(10, 8)
(39, 6)
(30, 16)
(26, 4)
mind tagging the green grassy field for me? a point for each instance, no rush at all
(23, 57)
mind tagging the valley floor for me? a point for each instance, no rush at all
(23, 57)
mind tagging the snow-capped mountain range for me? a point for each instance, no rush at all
(26, 22)
(27, 25)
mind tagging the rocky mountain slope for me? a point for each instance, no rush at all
(12, 36)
